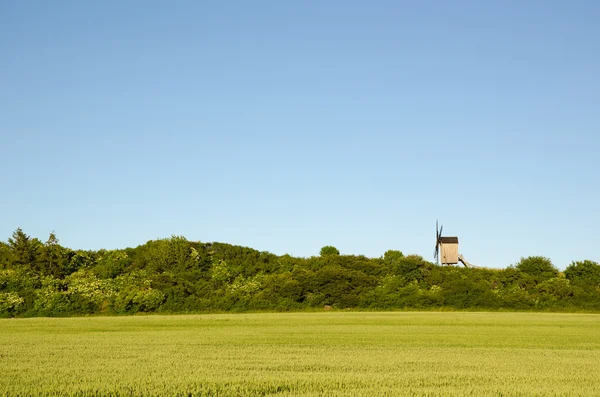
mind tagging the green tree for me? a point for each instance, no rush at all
(25, 250)
(539, 267)
(9, 303)
(584, 272)
(391, 257)
(79, 259)
(170, 254)
(5, 255)
(51, 257)
(329, 250)
(411, 267)
(112, 263)
(220, 272)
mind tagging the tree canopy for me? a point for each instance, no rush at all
(537, 266)
(329, 250)
(175, 275)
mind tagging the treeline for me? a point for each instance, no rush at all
(174, 275)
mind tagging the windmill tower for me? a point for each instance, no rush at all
(446, 249)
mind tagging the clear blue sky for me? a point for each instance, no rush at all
(286, 126)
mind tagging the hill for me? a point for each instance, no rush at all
(174, 275)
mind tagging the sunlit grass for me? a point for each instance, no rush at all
(311, 354)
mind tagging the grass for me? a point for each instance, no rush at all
(308, 354)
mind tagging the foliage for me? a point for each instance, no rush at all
(25, 250)
(177, 275)
(329, 250)
(539, 267)
(5, 255)
(411, 267)
(52, 261)
(584, 272)
(391, 257)
(111, 263)
(9, 303)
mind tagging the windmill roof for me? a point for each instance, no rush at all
(449, 240)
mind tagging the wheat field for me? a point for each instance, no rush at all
(303, 354)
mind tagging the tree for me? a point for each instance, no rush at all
(584, 272)
(51, 257)
(411, 267)
(170, 254)
(329, 250)
(5, 255)
(111, 264)
(540, 267)
(392, 257)
(24, 249)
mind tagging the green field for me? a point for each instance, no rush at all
(310, 354)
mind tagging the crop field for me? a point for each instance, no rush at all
(305, 354)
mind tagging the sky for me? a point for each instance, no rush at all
(287, 126)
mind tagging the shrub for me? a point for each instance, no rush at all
(584, 272)
(329, 250)
(540, 267)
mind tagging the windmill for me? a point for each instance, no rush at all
(446, 249)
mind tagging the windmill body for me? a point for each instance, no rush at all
(449, 250)
(446, 249)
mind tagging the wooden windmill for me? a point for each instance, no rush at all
(446, 249)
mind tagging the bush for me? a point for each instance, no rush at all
(411, 267)
(329, 250)
(540, 267)
(584, 273)
(9, 303)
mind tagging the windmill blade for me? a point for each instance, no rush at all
(438, 242)
(437, 239)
